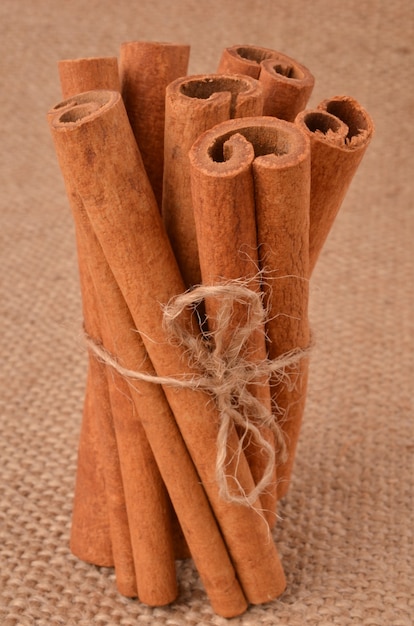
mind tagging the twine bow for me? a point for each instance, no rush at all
(227, 374)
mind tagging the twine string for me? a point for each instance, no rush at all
(228, 375)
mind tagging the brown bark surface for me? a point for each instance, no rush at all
(90, 537)
(195, 104)
(90, 499)
(79, 75)
(146, 68)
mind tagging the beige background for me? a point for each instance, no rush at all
(346, 534)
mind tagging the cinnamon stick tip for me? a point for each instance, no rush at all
(154, 45)
(225, 159)
(77, 108)
(274, 62)
(250, 53)
(288, 70)
(322, 126)
(354, 115)
(207, 86)
(225, 148)
(82, 60)
(153, 53)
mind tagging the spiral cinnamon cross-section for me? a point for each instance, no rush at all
(287, 84)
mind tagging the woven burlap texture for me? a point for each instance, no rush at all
(345, 536)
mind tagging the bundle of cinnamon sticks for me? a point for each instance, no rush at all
(201, 204)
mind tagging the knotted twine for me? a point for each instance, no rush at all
(226, 374)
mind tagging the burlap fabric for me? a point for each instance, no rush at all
(346, 534)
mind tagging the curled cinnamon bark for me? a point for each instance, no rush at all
(146, 68)
(90, 530)
(224, 212)
(193, 105)
(90, 534)
(78, 75)
(287, 84)
(280, 174)
(99, 414)
(147, 506)
(339, 130)
(282, 186)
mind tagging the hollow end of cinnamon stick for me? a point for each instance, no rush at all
(339, 130)
(207, 86)
(322, 126)
(276, 141)
(73, 110)
(201, 101)
(245, 59)
(287, 84)
(350, 112)
(287, 70)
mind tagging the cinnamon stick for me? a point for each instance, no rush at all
(147, 503)
(117, 513)
(287, 84)
(100, 413)
(78, 75)
(90, 538)
(282, 189)
(339, 131)
(280, 175)
(89, 505)
(193, 105)
(90, 501)
(129, 228)
(224, 212)
(146, 68)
